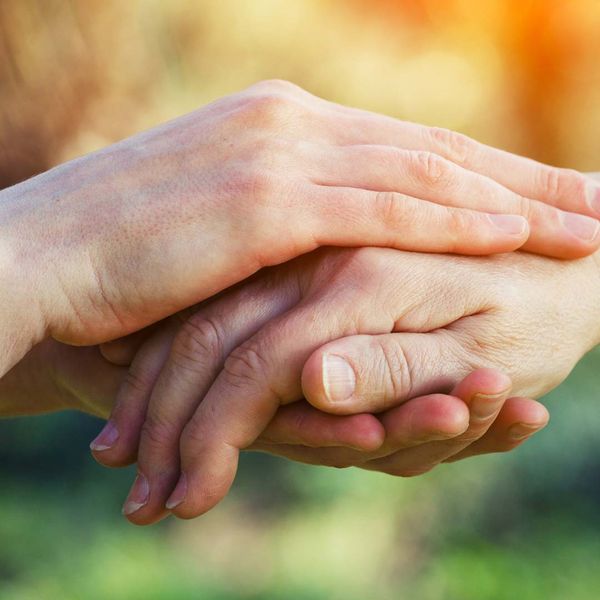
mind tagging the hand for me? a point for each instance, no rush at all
(477, 418)
(472, 422)
(506, 311)
(119, 239)
(54, 376)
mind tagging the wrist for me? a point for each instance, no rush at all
(22, 322)
(43, 259)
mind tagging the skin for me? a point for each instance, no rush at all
(55, 376)
(111, 242)
(407, 325)
(102, 246)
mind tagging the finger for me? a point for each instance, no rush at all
(116, 445)
(430, 417)
(391, 219)
(484, 392)
(197, 354)
(122, 351)
(419, 420)
(372, 373)
(257, 378)
(339, 458)
(300, 423)
(564, 188)
(86, 376)
(519, 419)
(422, 419)
(428, 176)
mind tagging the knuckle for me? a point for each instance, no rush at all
(456, 147)
(192, 439)
(256, 183)
(270, 109)
(460, 221)
(459, 225)
(390, 209)
(200, 338)
(551, 181)
(363, 266)
(398, 371)
(561, 183)
(246, 366)
(157, 432)
(431, 169)
(525, 207)
(137, 382)
(196, 437)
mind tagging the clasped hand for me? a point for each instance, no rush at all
(351, 332)
(374, 357)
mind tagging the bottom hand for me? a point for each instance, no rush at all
(477, 418)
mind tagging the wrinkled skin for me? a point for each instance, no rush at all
(408, 325)
(114, 241)
(55, 376)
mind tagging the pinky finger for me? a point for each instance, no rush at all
(519, 419)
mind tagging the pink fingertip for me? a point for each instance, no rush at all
(179, 493)
(106, 439)
(138, 496)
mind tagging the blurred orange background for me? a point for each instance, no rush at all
(520, 74)
(524, 75)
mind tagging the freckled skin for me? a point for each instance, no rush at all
(111, 242)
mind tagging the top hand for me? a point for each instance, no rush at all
(119, 239)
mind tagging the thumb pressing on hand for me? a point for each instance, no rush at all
(372, 373)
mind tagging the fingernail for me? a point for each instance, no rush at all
(106, 438)
(585, 228)
(522, 430)
(593, 193)
(512, 224)
(138, 495)
(339, 379)
(178, 494)
(484, 406)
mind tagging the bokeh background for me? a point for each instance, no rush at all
(520, 74)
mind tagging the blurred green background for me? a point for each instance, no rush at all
(523, 75)
(521, 526)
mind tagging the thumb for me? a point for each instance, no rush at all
(371, 373)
